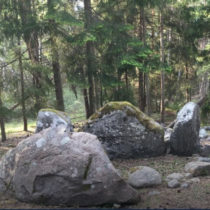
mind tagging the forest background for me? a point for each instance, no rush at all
(75, 56)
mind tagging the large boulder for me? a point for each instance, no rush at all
(126, 132)
(55, 167)
(184, 139)
(52, 118)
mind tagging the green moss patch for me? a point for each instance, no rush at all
(130, 110)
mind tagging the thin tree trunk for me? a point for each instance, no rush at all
(126, 80)
(90, 57)
(187, 82)
(85, 95)
(141, 74)
(25, 125)
(148, 99)
(3, 132)
(97, 93)
(162, 59)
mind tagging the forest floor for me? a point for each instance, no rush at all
(196, 196)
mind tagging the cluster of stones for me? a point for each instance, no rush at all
(57, 166)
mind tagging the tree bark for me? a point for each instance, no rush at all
(90, 56)
(85, 95)
(32, 43)
(141, 74)
(188, 91)
(148, 99)
(57, 78)
(25, 125)
(162, 60)
(3, 132)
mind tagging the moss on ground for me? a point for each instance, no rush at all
(130, 110)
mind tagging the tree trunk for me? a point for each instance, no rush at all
(90, 57)
(187, 82)
(148, 99)
(204, 87)
(3, 132)
(22, 89)
(162, 60)
(57, 78)
(141, 74)
(32, 43)
(85, 95)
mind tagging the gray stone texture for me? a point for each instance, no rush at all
(144, 176)
(56, 167)
(52, 118)
(184, 139)
(124, 136)
(198, 168)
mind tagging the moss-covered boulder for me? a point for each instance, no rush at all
(126, 132)
(52, 118)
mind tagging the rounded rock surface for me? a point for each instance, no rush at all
(144, 176)
(56, 167)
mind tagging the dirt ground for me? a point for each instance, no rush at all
(196, 196)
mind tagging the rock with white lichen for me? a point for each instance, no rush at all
(126, 132)
(52, 118)
(56, 167)
(184, 139)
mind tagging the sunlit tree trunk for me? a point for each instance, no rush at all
(3, 132)
(162, 60)
(25, 125)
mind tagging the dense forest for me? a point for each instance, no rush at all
(53, 53)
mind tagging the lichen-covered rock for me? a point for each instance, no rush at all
(184, 139)
(144, 176)
(52, 118)
(198, 168)
(55, 167)
(126, 132)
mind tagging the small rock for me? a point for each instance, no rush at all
(117, 206)
(167, 135)
(155, 192)
(185, 185)
(187, 175)
(198, 168)
(173, 183)
(177, 176)
(194, 180)
(203, 159)
(144, 176)
(204, 150)
(202, 133)
(207, 128)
